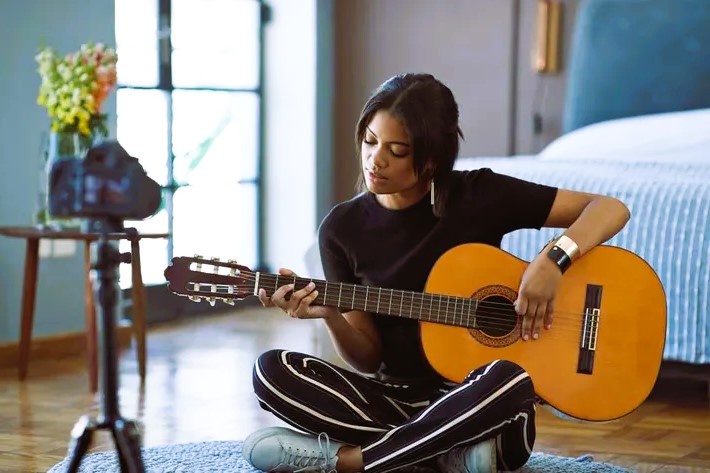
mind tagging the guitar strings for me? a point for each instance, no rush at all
(403, 294)
(491, 317)
(251, 278)
(481, 304)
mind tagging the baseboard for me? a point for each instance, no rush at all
(57, 346)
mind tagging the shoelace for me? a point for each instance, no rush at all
(311, 461)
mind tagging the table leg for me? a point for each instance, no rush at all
(29, 291)
(90, 321)
(138, 311)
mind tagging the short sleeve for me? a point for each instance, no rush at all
(336, 265)
(525, 204)
(508, 203)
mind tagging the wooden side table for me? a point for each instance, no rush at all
(29, 289)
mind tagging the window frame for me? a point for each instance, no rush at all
(165, 84)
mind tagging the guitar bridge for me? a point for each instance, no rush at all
(590, 329)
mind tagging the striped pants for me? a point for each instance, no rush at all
(401, 425)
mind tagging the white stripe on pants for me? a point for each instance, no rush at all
(401, 425)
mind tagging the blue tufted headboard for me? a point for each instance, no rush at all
(635, 57)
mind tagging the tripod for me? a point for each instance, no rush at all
(105, 261)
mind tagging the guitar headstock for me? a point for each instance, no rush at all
(210, 279)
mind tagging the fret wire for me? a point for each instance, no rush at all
(464, 311)
(379, 293)
(389, 309)
(438, 311)
(411, 305)
(340, 293)
(367, 293)
(456, 301)
(401, 301)
(325, 295)
(431, 303)
(353, 301)
(463, 308)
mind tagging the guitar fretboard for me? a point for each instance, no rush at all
(450, 310)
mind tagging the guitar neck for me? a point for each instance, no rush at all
(438, 308)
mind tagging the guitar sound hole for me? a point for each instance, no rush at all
(496, 316)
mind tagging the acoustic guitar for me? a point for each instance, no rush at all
(598, 362)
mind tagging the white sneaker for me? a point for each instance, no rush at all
(479, 458)
(284, 450)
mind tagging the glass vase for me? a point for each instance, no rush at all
(61, 145)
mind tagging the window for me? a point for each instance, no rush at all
(189, 108)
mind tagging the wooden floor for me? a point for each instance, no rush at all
(199, 388)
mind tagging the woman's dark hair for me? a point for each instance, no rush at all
(427, 110)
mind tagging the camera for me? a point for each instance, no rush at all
(107, 183)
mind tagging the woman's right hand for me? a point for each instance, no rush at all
(298, 305)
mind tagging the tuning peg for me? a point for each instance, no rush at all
(212, 301)
(198, 264)
(194, 298)
(228, 301)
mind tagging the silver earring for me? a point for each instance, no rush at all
(432, 192)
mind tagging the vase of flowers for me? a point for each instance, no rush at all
(74, 88)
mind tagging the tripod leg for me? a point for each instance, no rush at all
(128, 445)
(82, 434)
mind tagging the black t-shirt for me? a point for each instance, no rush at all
(362, 242)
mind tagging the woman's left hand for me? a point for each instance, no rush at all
(536, 296)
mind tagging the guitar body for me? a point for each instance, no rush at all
(597, 367)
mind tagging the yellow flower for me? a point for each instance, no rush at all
(74, 86)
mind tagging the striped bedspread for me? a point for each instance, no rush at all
(669, 228)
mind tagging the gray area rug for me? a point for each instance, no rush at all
(225, 457)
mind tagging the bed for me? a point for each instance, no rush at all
(637, 127)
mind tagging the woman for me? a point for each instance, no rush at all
(415, 207)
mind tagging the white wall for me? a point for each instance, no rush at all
(290, 131)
